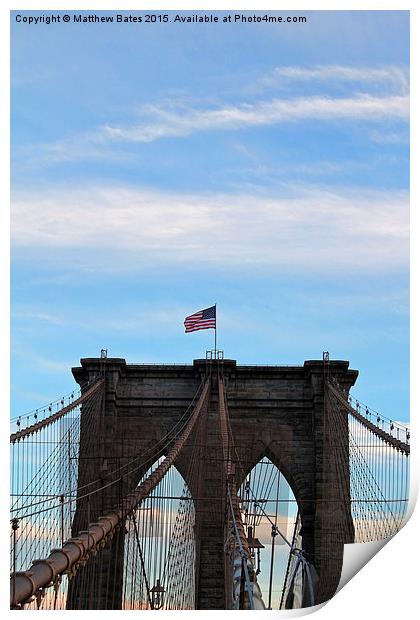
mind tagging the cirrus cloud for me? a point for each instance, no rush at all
(164, 122)
(316, 228)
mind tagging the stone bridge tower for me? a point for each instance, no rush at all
(275, 411)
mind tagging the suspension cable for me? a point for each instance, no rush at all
(77, 550)
(34, 428)
(387, 437)
(242, 552)
(156, 448)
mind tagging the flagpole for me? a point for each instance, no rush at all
(215, 331)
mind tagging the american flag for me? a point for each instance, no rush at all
(204, 319)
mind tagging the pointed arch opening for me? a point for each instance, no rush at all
(160, 548)
(270, 514)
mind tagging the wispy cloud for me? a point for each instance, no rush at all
(89, 146)
(389, 75)
(42, 364)
(30, 396)
(186, 116)
(34, 315)
(159, 319)
(390, 137)
(163, 122)
(316, 229)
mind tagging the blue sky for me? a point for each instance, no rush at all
(158, 170)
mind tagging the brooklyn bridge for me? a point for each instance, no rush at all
(203, 486)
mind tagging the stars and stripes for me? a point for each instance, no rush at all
(204, 319)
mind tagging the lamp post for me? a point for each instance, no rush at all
(254, 543)
(157, 595)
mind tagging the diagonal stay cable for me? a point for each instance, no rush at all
(34, 428)
(76, 550)
(154, 450)
(396, 443)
